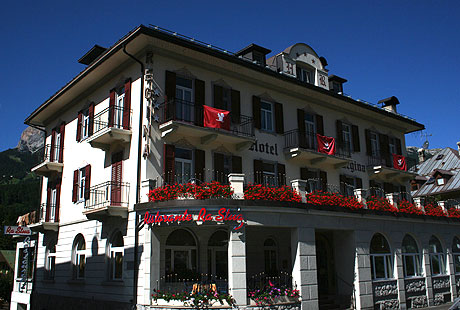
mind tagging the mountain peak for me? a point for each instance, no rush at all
(31, 140)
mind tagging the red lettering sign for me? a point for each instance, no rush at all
(17, 230)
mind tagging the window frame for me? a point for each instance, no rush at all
(81, 184)
(79, 258)
(388, 264)
(416, 258)
(182, 161)
(113, 251)
(375, 146)
(50, 261)
(192, 251)
(439, 255)
(266, 175)
(271, 252)
(309, 72)
(267, 117)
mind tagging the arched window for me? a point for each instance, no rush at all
(115, 253)
(456, 253)
(271, 257)
(50, 260)
(381, 260)
(218, 254)
(181, 254)
(437, 259)
(411, 257)
(79, 257)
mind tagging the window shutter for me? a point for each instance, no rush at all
(79, 120)
(218, 95)
(355, 137)
(256, 112)
(127, 105)
(319, 124)
(367, 134)
(61, 145)
(200, 165)
(398, 147)
(199, 102)
(236, 106)
(75, 186)
(301, 126)
(87, 181)
(279, 118)
(91, 119)
(168, 164)
(170, 87)
(111, 107)
(258, 171)
(281, 170)
(219, 167)
(237, 164)
(339, 129)
(52, 147)
(359, 183)
(304, 173)
(48, 201)
(323, 179)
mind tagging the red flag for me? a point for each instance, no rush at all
(399, 162)
(216, 118)
(326, 145)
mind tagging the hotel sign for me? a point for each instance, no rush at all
(223, 215)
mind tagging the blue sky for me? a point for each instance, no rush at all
(407, 49)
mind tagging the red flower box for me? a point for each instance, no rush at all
(261, 192)
(321, 198)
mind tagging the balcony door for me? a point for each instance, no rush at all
(184, 105)
(310, 130)
(117, 175)
(118, 113)
(52, 205)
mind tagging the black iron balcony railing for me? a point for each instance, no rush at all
(112, 117)
(307, 140)
(49, 213)
(188, 112)
(49, 153)
(108, 194)
(380, 160)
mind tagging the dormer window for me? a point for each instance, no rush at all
(306, 75)
(440, 181)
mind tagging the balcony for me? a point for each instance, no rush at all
(303, 147)
(381, 168)
(48, 219)
(111, 126)
(107, 199)
(50, 159)
(180, 118)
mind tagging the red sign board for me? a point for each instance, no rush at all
(17, 230)
(223, 215)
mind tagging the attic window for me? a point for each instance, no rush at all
(439, 157)
(440, 181)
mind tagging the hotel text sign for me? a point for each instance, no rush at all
(223, 215)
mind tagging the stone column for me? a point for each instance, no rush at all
(360, 196)
(418, 201)
(237, 266)
(451, 272)
(429, 282)
(304, 266)
(399, 268)
(300, 186)
(237, 183)
(363, 279)
(392, 199)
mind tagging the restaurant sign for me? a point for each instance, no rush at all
(223, 215)
(17, 230)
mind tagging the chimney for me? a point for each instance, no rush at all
(389, 104)
(421, 155)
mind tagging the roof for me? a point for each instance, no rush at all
(451, 185)
(446, 159)
(92, 54)
(197, 45)
(254, 47)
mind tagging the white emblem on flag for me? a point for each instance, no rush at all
(220, 117)
(400, 161)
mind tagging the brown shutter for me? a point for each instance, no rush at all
(127, 105)
(323, 180)
(367, 134)
(256, 112)
(61, 145)
(170, 86)
(237, 164)
(218, 94)
(199, 102)
(359, 183)
(338, 127)
(301, 126)
(87, 181)
(117, 178)
(75, 186)
(355, 137)
(79, 120)
(200, 165)
(319, 124)
(48, 201)
(398, 147)
(53, 146)
(281, 170)
(236, 106)
(112, 108)
(219, 167)
(258, 171)
(168, 163)
(58, 200)
(279, 118)
(304, 173)
(91, 119)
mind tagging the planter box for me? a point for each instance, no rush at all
(278, 300)
(181, 304)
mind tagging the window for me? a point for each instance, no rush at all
(270, 257)
(305, 75)
(85, 124)
(50, 261)
(381, 260)
(336, 87)
(218, 255)
(226, 99)
(269, 174)
(411, 258)
(437, 259)
(119, 104)
(79, 257)
(266, 113)
(392, 145)
(348, 184)
(57, 146)
(374, 138)
(184, 105)
(310, 131)
(456, 254)
(183, 165)
(52, 205)
(440, 181)
(116, 257)
(81, 183)
(181, 254)
(346, 137)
